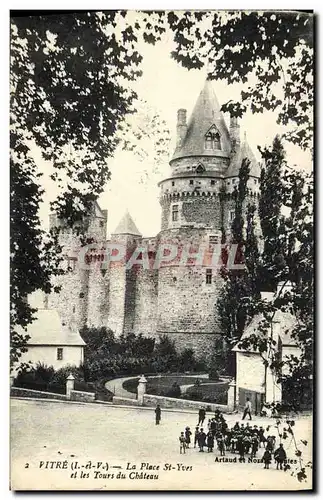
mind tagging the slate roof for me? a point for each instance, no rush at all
(287, 322)
(205, 114)
(47, 330)
(127, 226)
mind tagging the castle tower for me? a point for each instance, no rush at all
(192, 218)
(122, 293)
(82, 289)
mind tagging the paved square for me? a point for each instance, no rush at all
(75, 438)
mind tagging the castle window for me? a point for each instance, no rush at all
(213, 240)
(212, 182)
(200, 169)
(173, 183)
(73, 309)
(212, 139)
(101, 223)
(175, 213)
(59, 353)
(231, 215)
(191, 181)
(71, 263)
(255, 181)
(208, 277)
(208, 142)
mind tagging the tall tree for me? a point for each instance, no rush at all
(233, 304)
(70, 87)
(270, 214)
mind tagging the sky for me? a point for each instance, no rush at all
(166, 87)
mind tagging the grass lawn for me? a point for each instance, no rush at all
(161, 385)
(210, 393)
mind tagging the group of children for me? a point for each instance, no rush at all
(241, 439)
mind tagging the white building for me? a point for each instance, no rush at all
(255, 380)
(51, 342)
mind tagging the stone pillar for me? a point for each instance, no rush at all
(232, 396)
(69, 385)
(141, 389)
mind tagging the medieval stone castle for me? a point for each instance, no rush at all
(197, 205)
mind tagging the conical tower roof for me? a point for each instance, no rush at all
(206, 114)
(127, 226)
(244, 151)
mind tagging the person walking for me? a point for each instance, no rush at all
(201, 416)
(280, 456)
(247, 410)
(158, 414)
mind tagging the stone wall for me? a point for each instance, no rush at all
(214, 164)
(164, 402)
(121, 287)
(186, 302)
(194, 209)
(118, 400)
(72, 300)
(21, 392)
(146, 301)
(98, 293)
(88, 397)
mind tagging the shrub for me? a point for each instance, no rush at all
(109, 357)
(175, 391)
(222, 398)
(195, 394)
(37, 378)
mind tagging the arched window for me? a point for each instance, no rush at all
(208, 141)
(200, 169)
(212, 139)
(217, 143)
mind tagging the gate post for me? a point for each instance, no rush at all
(232, 396)
(69, 385)
(141, 389)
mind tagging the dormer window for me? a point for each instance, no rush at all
(212, 139)
(200, 169)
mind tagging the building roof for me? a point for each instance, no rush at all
(287, 323)
(47, 330)
(127, 226)
(244, 151)
(205, 114)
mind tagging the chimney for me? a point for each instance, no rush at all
(181, 126)
(234, 133)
